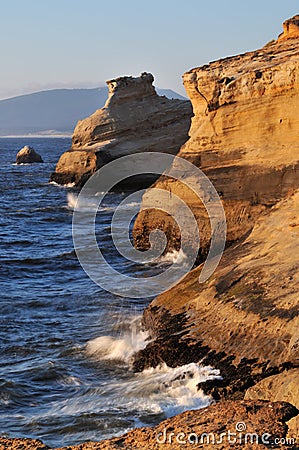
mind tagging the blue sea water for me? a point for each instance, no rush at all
(65, 343)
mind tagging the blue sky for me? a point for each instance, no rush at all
(72, 43)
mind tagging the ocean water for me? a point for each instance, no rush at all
(66, 344)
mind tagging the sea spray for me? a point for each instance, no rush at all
(162, 391)
(116, 348)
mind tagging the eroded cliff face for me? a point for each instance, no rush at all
(134, 119)
(245, 319)
(244, 136)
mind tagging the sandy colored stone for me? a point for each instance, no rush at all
(28, 155)
(290, 28)
(243, 136)
(283, 387)
(263, 420)
(134, 119)
(245, 318)
(21, 444)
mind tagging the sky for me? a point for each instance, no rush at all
(48, 44)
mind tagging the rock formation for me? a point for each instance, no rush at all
(27, 155)
(244, 320)
(223, 425)
(244, 137)
(290, 29)
(134, 119)
(282, 387)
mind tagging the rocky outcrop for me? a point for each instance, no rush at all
(244, 137)
(244, 425)
(290, 29)
(282, 387)
(134, 119)
(244, 320)
(28, 155)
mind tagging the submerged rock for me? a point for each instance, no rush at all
(134, 119)
(28, 155)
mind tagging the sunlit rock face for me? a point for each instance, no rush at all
(134, 119)
(244, 137)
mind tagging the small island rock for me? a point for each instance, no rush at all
(27, 155)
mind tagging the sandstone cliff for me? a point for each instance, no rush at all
(244, 136)
(244, 320)
(134, 119)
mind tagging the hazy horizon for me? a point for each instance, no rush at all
(70, 44)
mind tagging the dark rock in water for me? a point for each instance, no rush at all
(28, 155)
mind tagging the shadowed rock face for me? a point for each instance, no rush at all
(244, 137)
(282, 387)
(134, 119)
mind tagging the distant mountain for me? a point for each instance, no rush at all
(54, 111)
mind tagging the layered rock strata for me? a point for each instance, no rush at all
(244, 137)
(244, 320)
(134, 119)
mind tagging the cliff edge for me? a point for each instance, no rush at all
(243, 136)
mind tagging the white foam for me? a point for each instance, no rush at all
(71, 200)
(161, 390)
(174, 390)
(117, 348)
(172, 257)
(67, 185)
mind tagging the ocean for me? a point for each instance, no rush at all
(66, 344)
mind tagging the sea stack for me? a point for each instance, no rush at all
(28, 155)
(134, 119)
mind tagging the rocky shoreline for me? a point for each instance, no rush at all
(241, 424)
(244, 320)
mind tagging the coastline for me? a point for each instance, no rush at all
(244, 320)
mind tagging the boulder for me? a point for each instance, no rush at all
(28, 155)
(134, 119)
